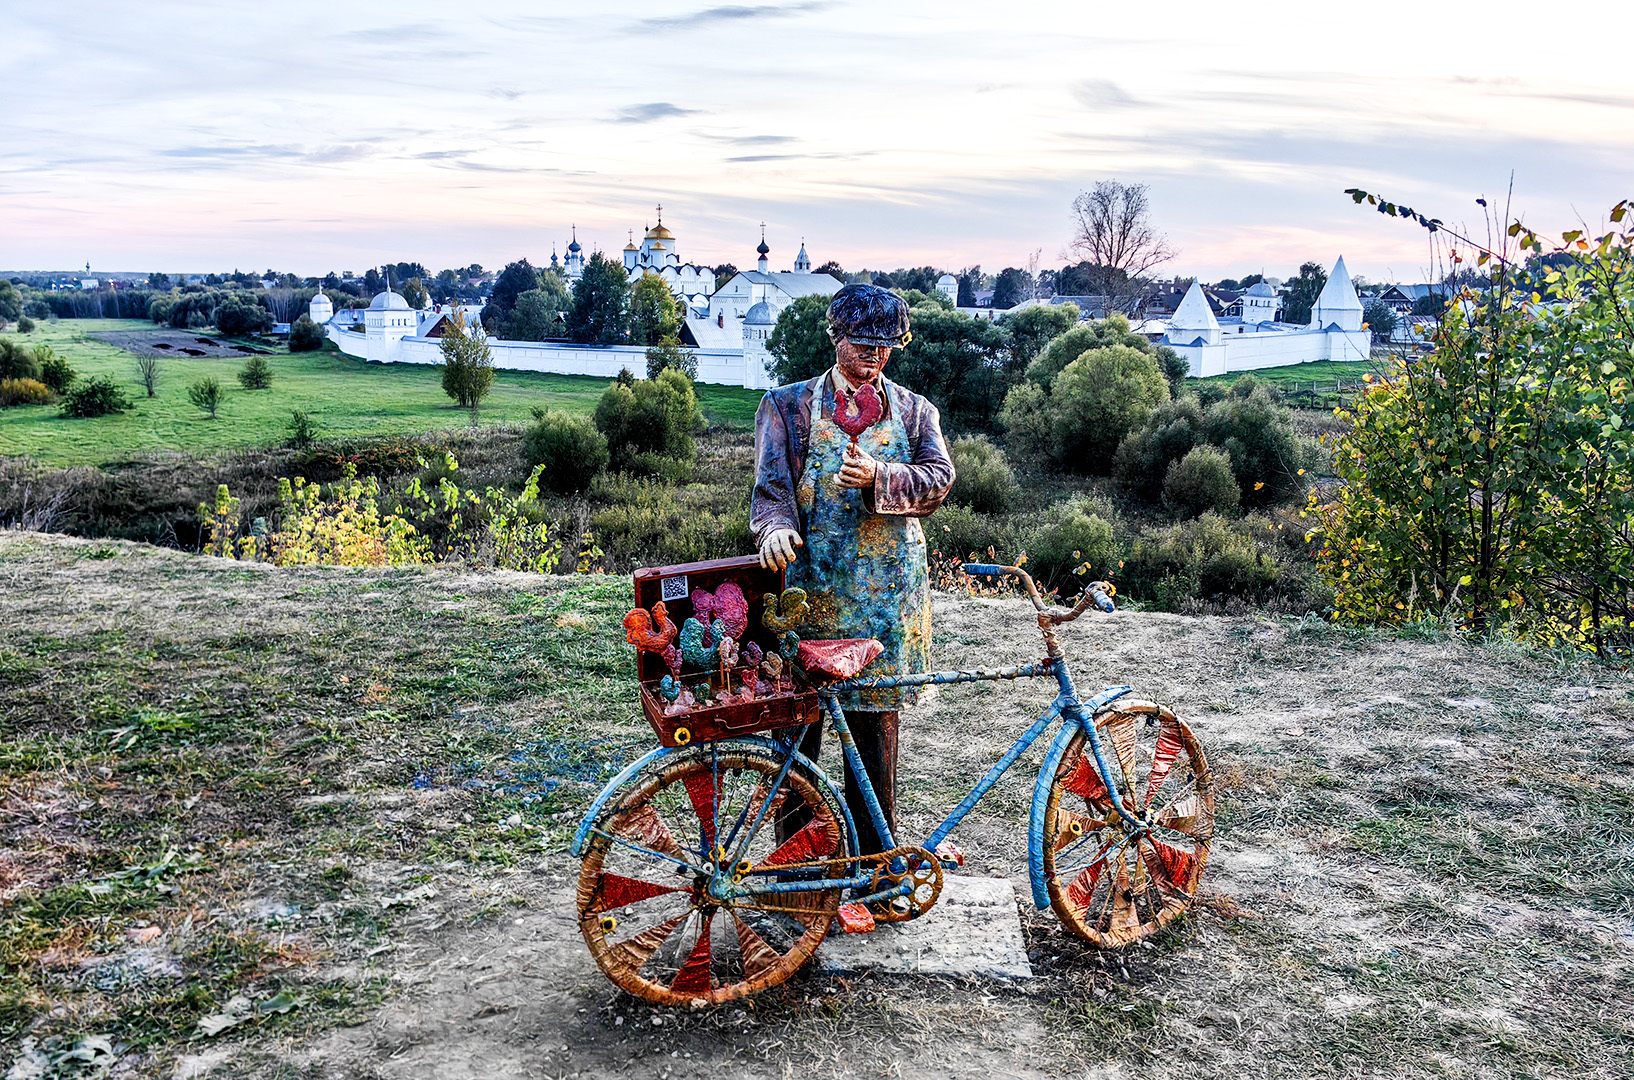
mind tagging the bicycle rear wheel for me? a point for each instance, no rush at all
(1106, 888)
(644, 908)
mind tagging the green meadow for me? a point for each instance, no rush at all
(346, 398)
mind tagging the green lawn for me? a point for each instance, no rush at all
(346, 397)
(1300, 375)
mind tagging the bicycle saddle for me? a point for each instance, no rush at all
(842, 658)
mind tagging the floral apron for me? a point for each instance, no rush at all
(864, 573)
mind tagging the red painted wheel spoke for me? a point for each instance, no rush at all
(1085, 780)
(616, 891)
(757, 955)
(812, 842)
(1083, 886)
(701, 790)
(1164, 754)
(694, 974)
(1173, 865)
(643, 823)
(632, 955)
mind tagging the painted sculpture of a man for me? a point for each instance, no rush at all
(840, 514)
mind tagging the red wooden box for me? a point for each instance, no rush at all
(673, 585)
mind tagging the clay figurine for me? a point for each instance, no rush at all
(652, 632)
(783, 612)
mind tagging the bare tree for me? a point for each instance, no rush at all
(1113, 232)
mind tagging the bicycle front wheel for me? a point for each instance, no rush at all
(644, 906)
(1105, 887)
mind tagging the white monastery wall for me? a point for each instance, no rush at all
(1251, 352)
(724, 367)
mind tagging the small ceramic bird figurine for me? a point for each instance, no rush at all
(699, 647)
(857, 411)
(789, 645)
(732, 609)
(750, 655)
(784, 612)
(669, 689)
(650, 632)
(672, 659)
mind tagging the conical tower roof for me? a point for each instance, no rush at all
(1339, 294)
(1194, 312)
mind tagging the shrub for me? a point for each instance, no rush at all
(647, 523)
(1206, 559)
(302, 431)
(982, 477)
(25, 325)
(1025, 418)
(55, 371)
(23, 392)
(1143, 458)
(653, 416)
(17, 362)
(1201, 481)
(1080, 537)
(1266, 456)
(669, 354)
(206, 394)
(94, 397)
(958, 532)
(305, 335)
(569, 447)
(242, 316)
(1091, 405)
(256, 373)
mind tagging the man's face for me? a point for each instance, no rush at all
(860, 363)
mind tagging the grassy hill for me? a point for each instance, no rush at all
(346, 397)
(346, 795)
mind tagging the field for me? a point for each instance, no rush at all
(323, 813)
(1299, 376)
(345, 397)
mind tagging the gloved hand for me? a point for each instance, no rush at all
(777, 549)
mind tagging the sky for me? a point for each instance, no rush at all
(309, 138)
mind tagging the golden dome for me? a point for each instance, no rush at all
(658, 232)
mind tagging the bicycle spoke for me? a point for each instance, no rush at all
(694, 974)
(643, 823)
(1168, 748)
(632, 955)
(1087, 826)
(616, 891)
(701, 790)
(752, 948)
(811, 842)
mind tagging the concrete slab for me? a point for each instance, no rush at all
(974, 929)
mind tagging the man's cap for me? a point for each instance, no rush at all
(869, 315)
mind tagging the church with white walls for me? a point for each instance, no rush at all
(727, 328)
(1219, 345)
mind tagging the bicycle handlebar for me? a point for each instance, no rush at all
(1099, 593)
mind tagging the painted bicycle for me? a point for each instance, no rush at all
(712, 871)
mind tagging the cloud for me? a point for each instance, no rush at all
(800, 157)
(753, 140)
(729, 13)
(647, 113)
(227, 156)
(1105, 94)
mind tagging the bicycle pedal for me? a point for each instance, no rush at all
(856, 919)
(951, 857)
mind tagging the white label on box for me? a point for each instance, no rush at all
(674, 588)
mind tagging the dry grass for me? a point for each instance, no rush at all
(1423, 866)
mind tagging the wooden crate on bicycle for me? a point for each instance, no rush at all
(680, 615)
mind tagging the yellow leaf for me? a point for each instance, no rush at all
(1259, 484)
(1466, 579)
